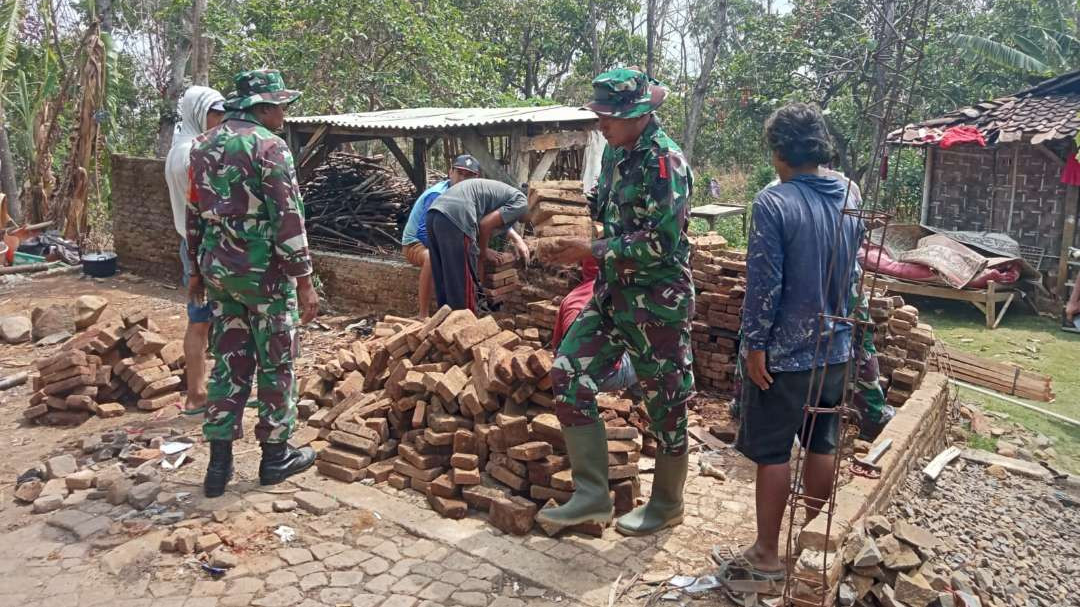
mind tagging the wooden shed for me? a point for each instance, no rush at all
(515, 145)
(1014, 184)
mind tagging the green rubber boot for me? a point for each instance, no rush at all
(591, 502)
(665, 506)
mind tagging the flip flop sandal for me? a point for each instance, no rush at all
(864, 471)
(742, 580)
(722, 555)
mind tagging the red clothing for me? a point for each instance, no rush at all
(1070, 175)
(961, 134)
(575, 301)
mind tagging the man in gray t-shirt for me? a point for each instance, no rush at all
(460, 224)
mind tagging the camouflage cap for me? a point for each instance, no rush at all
(259, 86)
(625, 93)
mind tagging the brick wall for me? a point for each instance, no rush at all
(147, 244)
(146, 241)
(971, 189)
(919, 429)
(368, 285)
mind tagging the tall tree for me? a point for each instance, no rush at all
(594, 38)
(200, 45)
(650, 37)
(10, 14)
(716, 14)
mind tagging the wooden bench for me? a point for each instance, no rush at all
(986, 300)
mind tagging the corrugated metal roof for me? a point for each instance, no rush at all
(424, 119)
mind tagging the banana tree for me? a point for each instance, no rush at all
(10, 13)
(1040, 49)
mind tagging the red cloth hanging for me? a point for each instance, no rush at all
(961, 134)
(1070, 175)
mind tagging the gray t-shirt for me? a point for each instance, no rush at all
(466, 203)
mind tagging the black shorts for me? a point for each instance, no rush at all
(771, 418)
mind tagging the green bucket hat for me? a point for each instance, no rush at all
(625, 93)
(259, 86)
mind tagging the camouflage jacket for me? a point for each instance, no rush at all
(643, 200)
(245, 217)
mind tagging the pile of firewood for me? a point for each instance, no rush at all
(460, 410)
(720, 283)
(104, 367)
(356, 203)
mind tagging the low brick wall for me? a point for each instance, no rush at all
(147, 244)
(368, 285)
(146, 240)
(919, 429)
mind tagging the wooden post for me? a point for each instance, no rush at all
(519, 157)
(1068, 231)
(475, 143)
(927, 185)
(544, 165)
(419, 161)
(1012, 188)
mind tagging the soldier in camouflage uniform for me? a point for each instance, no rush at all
(248, 246)
(642, 304)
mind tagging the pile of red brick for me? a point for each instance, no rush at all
(502, 283)
(460, 410)
(104, 367)
(720, 282)
(903, 344)
(557, 209)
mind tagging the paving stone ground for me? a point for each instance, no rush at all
(381, 548)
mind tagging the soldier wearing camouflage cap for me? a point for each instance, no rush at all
(249, 251)
(642, 305)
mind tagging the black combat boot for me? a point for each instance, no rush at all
(219, 470)
(280, 461)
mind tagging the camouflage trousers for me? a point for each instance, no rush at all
(869, 398)
(662, 358)
(252, 338)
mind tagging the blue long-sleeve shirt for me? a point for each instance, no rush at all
(416, 226)
(798, 232)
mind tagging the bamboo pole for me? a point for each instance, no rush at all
(1013, 401)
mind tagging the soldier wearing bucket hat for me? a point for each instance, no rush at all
(249, 251)
(642, 305)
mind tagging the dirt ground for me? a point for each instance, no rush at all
(28, 443)
(428, 555)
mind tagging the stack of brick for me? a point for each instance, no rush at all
(541, 316)
(720, 284)
(557, 209)
(502, 283)
(903, 344)
(460, 410)
(105, 367)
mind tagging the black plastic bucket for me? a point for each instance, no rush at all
(99, 265)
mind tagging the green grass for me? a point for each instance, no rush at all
(731, 228)
(984, 443)
(1033, 342)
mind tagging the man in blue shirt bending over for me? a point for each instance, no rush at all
(414, 240)
(800, 265)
